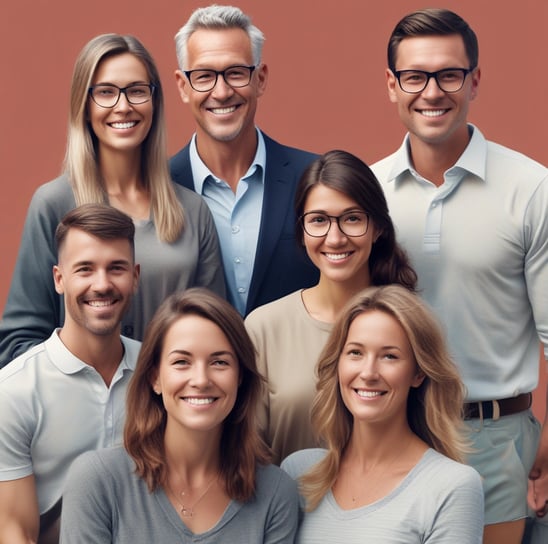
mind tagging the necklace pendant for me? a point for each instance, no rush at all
(187, 512)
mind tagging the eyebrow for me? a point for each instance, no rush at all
(360, 345)
(346, 210)
(92, 263)
(214, 354)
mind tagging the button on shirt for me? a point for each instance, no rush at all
(237, 218)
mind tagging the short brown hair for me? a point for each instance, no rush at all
(99, 220)
(146, 417)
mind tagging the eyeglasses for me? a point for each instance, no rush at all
(351, 224)
(107, 96)
(449, 80)
(205, 80)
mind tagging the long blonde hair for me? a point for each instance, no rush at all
(81, 161)
(434, 409)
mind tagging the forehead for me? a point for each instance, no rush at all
(122, 67)
(378, 327)
(81, 246)
(431, 53)
(323, 198)
(208, 48)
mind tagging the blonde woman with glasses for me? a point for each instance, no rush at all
(116, 153)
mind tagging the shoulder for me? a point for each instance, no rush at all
(382, 167)
(189, 199)
(114, 461)
(53, 199)
(19, 372)
(274, 148)
(300, 462)
(516, 162)
(267, 312)
(272, 480)
(132, 348)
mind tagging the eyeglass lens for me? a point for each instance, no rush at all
(107, 96)
(235, 76)
(448, 80)
(350, 223)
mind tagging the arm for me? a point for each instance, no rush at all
(537, 496)
(33, 307)
(283, 519)
(19, 516)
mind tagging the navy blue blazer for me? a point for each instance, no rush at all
(281, 264)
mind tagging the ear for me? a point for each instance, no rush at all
(136, 275)
(391, 83)
(475, 77)
(156, 387)
(262, 78)
(418, 379)
(183, 85)
(58, 279)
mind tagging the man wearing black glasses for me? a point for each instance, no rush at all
(473, 217)
(247, 179)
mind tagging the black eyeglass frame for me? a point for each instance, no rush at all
(122, 90)
(218, 73)
(429, 75)
(337, 220)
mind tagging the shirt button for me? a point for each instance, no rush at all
(237, 260)
(241, 289)
(235, 229)
(434, 204)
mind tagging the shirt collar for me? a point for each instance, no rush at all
(201, 173)
(472, 160)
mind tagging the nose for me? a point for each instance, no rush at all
(123, 103)
(200, 375)
(335, 235)
(222, 89)
(101, 281)
(369, 370)
(432, 88)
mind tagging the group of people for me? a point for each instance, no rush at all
(255, 343)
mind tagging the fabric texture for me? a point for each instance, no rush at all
(33, 308)
(281, 265)
(105, 501)
(439, 501)
(288, 343)
(54, 407)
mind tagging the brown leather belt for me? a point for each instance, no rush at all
(493, 409)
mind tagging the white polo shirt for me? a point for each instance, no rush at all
(479, 244)
(53, 407)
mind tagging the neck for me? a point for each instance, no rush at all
(229, 160)
(432, 160)
(325, 301)
(103, 353)
(121, 170)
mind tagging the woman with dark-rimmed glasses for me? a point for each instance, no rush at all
(347, 233)
(116, 153)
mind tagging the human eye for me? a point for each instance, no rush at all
(105, 91)
(450, 75)
(138, 91)
(237, 73)
(203, 76)
(412, 76)
(180, 362)
(316, 218)
(391, 356)
(220, 363)
(354, 218)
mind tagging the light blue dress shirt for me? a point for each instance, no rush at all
(237, 218)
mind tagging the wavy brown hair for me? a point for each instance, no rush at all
(434, 409)
(241, 446)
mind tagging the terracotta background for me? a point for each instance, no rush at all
(309, 46)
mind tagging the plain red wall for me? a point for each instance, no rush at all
(309, 46)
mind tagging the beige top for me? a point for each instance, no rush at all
(288, 342)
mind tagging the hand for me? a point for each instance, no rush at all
(537, 495)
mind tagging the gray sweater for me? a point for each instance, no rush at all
(104, 501)
(33, 309)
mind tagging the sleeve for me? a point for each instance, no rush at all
(210, 273)
(460, 516)
(88, 500)
(283, 518)
(33, 307)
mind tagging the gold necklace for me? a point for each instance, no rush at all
(188, 511)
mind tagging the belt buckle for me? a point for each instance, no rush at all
(496, 410)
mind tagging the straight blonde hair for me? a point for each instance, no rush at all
(81, 163)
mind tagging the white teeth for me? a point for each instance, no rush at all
(129, 124)
(223, 110)
(337, 256)
(99, 303)
(198, 401)
(433, 113)
(368, 394)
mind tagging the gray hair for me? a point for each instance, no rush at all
(217, 17)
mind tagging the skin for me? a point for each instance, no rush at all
(225, 117)
(198, 378)
(89, 270)
(436, 120)
(119, 148)
(341, 278)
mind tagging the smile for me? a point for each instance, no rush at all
(338, 256)
(100, 303)
(222, 111)
(126, 125)
(433, 113)
(199, 401)
(369, 394)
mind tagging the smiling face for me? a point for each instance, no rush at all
(198, 376)
(125, 126)
(434, 116)
(224, 114)
(376, 369)
(339, 258)
(97, 278)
